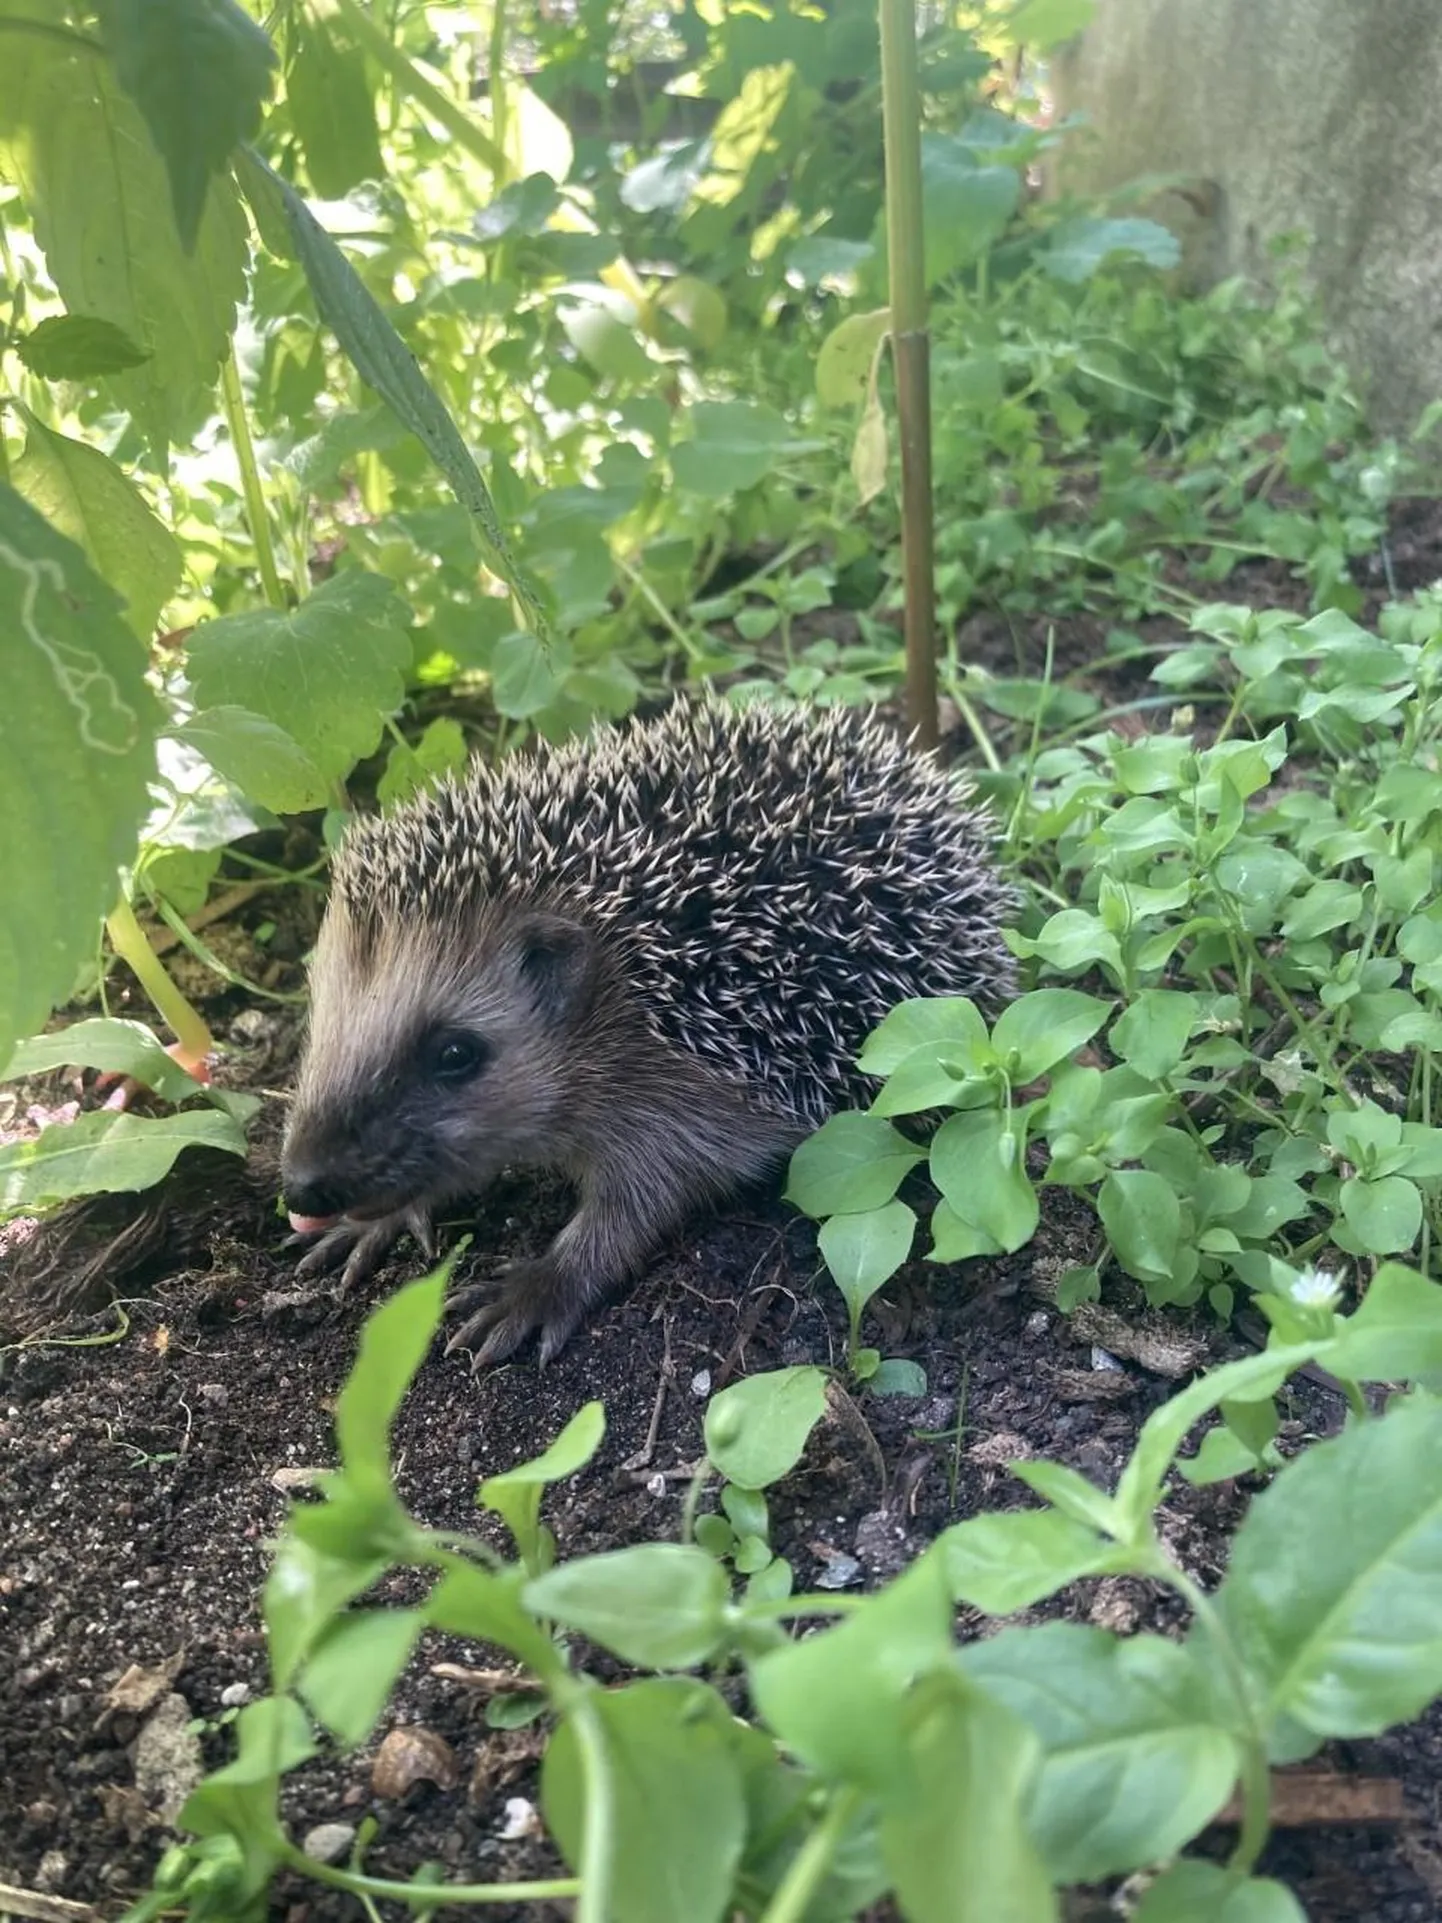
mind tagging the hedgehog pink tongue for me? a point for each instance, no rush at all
(312, 1224)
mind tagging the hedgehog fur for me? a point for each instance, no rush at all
(667, 941)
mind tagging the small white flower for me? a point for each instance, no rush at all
(1314, 1288)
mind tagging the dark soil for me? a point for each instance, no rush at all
(148, 1449)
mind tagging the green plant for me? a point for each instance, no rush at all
(846, 1780)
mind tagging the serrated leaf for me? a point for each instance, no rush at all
(263, 761)
(199, 71)
(83, 494)
(1330, 1593)
(76, 347)
(106, 1153)
(77, 734)
(98, 193)
(332, 109)
(382, 358)
(328, 672)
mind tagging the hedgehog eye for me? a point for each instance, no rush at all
(459, 1058)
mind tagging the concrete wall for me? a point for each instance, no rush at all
(1318, 115)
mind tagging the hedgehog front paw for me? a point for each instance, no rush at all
(360, 1246)
(530, 1298)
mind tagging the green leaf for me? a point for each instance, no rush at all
(74, 347)
(515, 1494)
(1143, 1220)
(661, 1605)
(382, 358)
(1134, 1762)
(978, 1161)
(199, 70)
(836, 1699)
(1043, 1028)
(106, 1152)
(265, 763)
(328, 672)
(608, 342)
(965, 206)
(757, 1428)
(1007, 1560)
(865, 1250)
(1395, 1334)
(98, 193)
(733, 445)
(84, 495)
(844, 362)
(485, 1606)
(305, 1592)
(331, 108)
(678, 1813)
(852, 1162)
(441, 750)
(1043, 24)
(1073, 1494)
(1152, 1032)
(946, 1024)
(117, 1047)
(525, 676)
(355, 1665)
(393, 1345)
(1330, 1594)
(957, 1839)
(1078, 248)
(77, 730)
(272, 1737)
(897, 1376)
(1196, 1892)
(1385, 1216)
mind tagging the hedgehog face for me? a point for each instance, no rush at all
(436, 1057)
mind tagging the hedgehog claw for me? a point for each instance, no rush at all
(524, 1301)
(360, 1246)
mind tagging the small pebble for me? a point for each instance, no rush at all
(1036, 1325)
(234, 1694)
(839, 1573)
(1104, 1359)
(521, 1820)
(656, 1486)
(701, 1383)
(328, 1842)
(215, 1393)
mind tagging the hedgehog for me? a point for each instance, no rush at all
(646, 959)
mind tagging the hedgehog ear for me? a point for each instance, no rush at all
(558, 963)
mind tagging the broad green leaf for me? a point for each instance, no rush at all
(98, 193)
(1194, 1891)
(199, 71)
(698, 306)
(1006, 1560)
(956, 1836)
(83, 494)
(241, 1799)
(757, 1428)
(966, 205)
(953, 1240)
(870, 449)
(1330, 1594)
(1134, 1762)
(106, 1152)
(382, 358)
(118, 1047)
(331, 108)
(678, 1815)
(948, 1024)
(733, 445)
(77, 735)
(660, 1605)
(897, 1376)
(73, 347)
(852, 1162)
(260, 757)
(844, 362)
(355, 1665)
(304, 1593)
(1385, 1216)
(485, 1606)
(1042, 24)
(1044, 1028)
(865, 1250)
(525, 675)
(1073, 1494)
(441, 750)
(837, 1699)
(1077, 248)
(328, 672)
(1395, 1334)
(978, 1161)
(935, 1076)
(1143, 1220)
(1152, 1032)
(393, 1346)
(604, 334)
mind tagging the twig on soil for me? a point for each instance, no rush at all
(667, 1376)
(1310, 1799)
(46, 1909)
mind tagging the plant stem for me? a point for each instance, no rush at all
(812, 1861)
(910, 350)
(431, 1895)
(575, 1700)
(128, 940)
(408, 78)
(255, 513)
